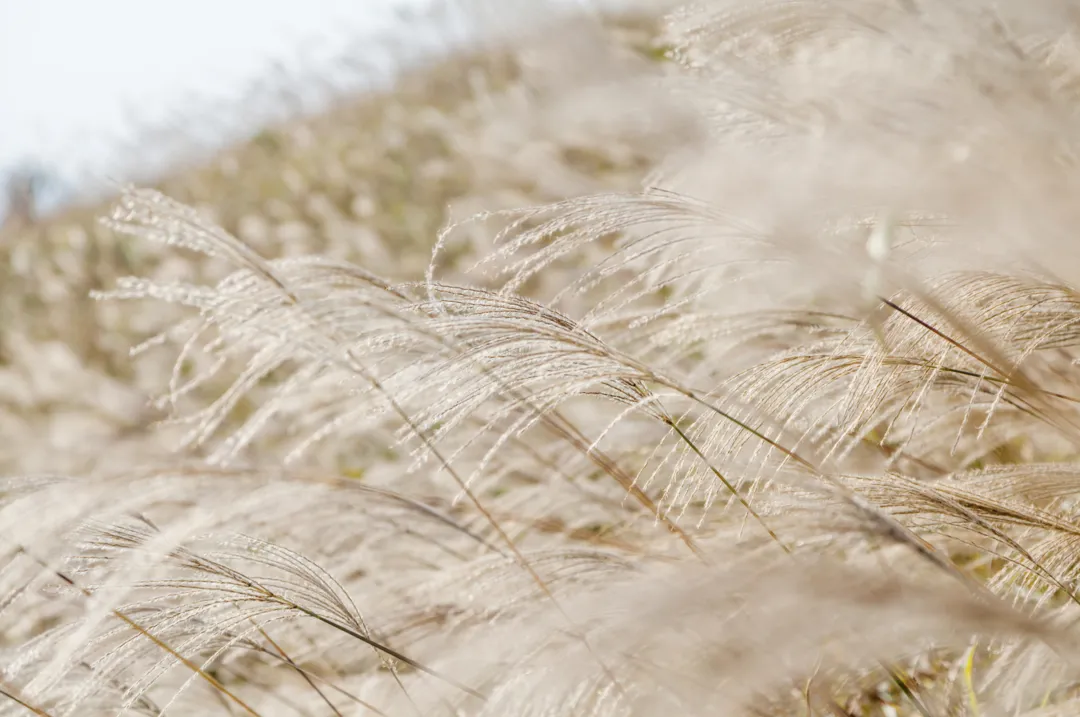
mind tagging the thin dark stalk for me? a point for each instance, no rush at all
(900, 682)
(389, 651)
(11, 695)
(288, 660)
(1012, 375)
(355, 365)
(330, 685)
(888, 525)
(727, 484)
(210, 679)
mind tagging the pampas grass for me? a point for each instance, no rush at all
(790, 430)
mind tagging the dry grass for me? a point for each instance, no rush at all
(790, 429)
(371, 181)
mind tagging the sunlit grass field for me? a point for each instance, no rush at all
(716, 361)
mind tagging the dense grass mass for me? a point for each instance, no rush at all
(736, 378)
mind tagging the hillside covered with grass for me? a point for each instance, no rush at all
(372, 180)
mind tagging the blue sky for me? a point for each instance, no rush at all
(78, 77)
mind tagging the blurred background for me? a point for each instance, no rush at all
(355, 129)
(122, 89)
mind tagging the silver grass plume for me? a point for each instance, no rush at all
(790, 430)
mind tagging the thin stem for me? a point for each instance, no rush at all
(727, 484)
(289, 660)
(10, 693)
(213, 681)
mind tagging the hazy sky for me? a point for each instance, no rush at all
(75, 73)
